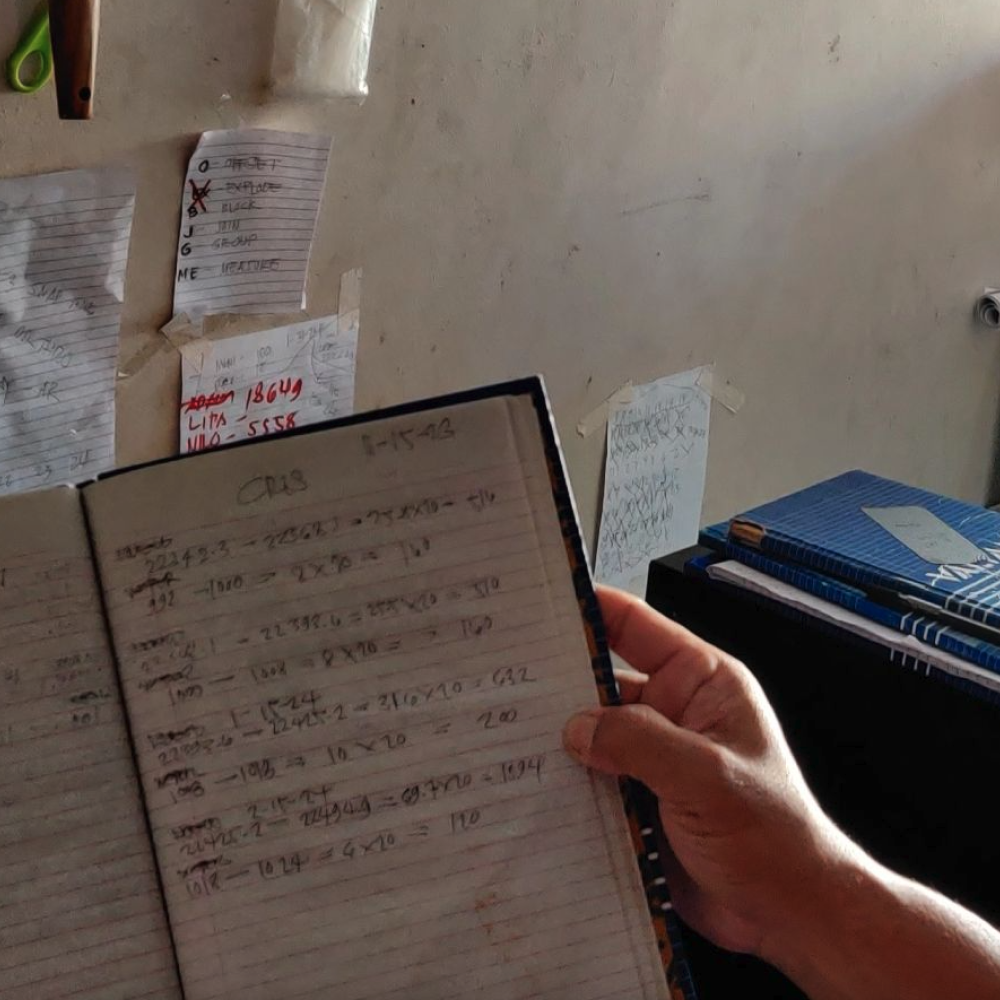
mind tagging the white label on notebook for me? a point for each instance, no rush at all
(251, 197)
(64, 242)
(926, 535)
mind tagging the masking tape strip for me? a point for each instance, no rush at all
(598, 416)
(349, 304)
(187, 337)
(140, 359)
(722, 390)
(350, 292)
(178, 333)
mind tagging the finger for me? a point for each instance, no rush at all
(630, 684)
(633, 740)
(644, 637)
(654, 645)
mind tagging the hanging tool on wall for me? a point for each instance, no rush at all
(62, 37)
(74, 29)
(29, 67)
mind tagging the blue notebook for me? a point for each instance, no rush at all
(700, 566)
(926, 628)
(935, 555)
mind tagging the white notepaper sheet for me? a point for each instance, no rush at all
(261, 383)
(64, 241)
(654, 478)
(251, 198)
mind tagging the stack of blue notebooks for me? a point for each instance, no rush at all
(896, 565)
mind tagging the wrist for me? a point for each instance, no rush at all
(836, 885)
(875, 934)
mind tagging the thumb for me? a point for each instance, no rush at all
(633, 740)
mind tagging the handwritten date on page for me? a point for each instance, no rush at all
(251, 198)
(654, 479)
(347, 659)
(64, 242)
(80, 912)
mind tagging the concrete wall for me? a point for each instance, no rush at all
(803, 192)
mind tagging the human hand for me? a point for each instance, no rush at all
(757, 866)
(750, 842)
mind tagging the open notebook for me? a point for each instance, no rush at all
(340, 661)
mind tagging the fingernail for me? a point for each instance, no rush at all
(578, 735)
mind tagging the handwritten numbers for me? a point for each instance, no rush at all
(407, 439)
(462, 822)
(496, 719)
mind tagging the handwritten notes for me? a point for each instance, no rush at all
(654, 478)
(64, 242)
(251, 197)
(260, 383)
(347, 658)
(80, 911)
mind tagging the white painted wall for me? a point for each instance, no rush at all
(805, 192)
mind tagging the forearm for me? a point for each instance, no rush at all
(868, 934)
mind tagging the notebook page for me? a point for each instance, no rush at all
(64, 242)
(251, 198)
(347, 659)
(81, 914)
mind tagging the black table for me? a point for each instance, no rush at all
(906, 764)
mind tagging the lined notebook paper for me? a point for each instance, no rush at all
(64, 242)
(251, 197)
(81, 915)
(347, 658)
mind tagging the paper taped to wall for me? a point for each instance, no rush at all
(64, 241)
(261, 383)
(654, 479)
(251, 198)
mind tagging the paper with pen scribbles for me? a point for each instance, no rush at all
(654, 477)
(258, 384)
(64, 241)
(347, 658)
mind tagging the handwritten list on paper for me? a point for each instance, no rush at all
(654, 479)
(251, 198)
(347, 659)
(261, 383)
(64, 241)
